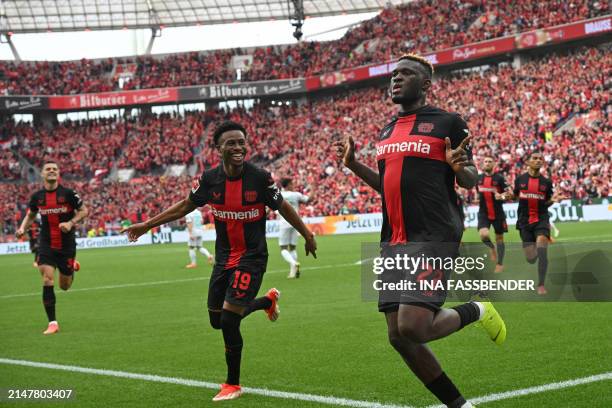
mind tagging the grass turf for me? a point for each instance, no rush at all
(327, 341)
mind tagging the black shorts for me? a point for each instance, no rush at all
(237, 286)
(62, 260)
(530, 232)
(432, 299)
(499, 224)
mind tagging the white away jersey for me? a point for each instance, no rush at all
(294, 198)
(195, 218)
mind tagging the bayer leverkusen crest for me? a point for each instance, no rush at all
(425, 127)
(250, 196)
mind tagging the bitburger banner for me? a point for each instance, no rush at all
(242, 90)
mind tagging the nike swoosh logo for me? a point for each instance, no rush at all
(498, 333)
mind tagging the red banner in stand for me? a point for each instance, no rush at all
(565, 32)
(473, 51)
(114, 99)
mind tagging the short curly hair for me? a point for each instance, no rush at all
(226, 127)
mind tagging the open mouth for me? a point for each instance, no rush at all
(237, 156)
(396, 89)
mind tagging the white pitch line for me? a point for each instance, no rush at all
(131, 285)
(329, 400)
(537, 389)
(123, 285)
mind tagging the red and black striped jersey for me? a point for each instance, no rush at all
(533, 194)
(487, 187)
(417, 185)
(55, 207)
(238, 207)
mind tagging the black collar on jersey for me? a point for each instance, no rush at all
(50, 191)
(233, 178)
(412, 112)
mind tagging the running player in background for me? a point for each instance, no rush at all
(492, 188)
(238, 193)
(554, 229)
(288, 236)
(195, 231)
(34, 233)
(421, 154)
(60, 210)
(535, 195)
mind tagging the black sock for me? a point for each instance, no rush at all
(501, 251)
(468, 313)
(444, 389)
(230, 325)
(49, 302)
(257, 304)
(215, 319)
(542, 264)
(487, 242)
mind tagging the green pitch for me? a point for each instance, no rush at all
(137, 310)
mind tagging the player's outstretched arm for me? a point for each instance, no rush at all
(25, 224)
(465, 171)
(346, 151)
(288, 213)
(178, 210)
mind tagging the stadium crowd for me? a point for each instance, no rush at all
(394, 31)
(10, 168)
(510, 111)
(81, 146)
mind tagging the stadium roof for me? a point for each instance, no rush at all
(31, 16)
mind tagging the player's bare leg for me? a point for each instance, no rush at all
(501, 252)
(421, 360)
(421, 325)
(47, 272)
(484, 237)
(529, 248)
(65, 282)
